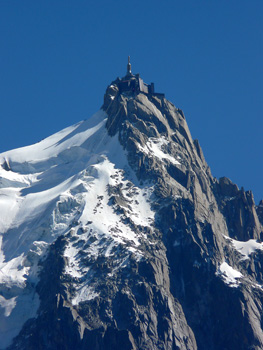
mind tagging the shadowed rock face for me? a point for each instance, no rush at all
(196, 285)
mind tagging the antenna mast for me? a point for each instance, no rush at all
(129, 66)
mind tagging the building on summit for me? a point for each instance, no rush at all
(134, 83)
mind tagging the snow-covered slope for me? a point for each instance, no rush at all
(44, 189)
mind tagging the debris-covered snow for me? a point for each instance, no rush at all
(101, 227)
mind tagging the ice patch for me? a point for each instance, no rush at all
(155, 147)
(7, 304)
(229, 275)
(84, 294)
(247, 248)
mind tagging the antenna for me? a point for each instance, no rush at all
(129, 66)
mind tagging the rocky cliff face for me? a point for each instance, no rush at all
(201, 220)
(145, 249)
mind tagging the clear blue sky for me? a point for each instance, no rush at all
(58, 56)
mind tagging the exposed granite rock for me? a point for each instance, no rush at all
(239, 210)
(259, 210)
(195, 213)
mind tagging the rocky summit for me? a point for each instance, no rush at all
(115, 235)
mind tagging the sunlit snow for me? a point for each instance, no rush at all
(247, 248)
(229, 275)
(155, 148)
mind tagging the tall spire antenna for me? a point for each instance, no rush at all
(129, 66)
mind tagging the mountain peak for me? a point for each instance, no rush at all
(115, 234)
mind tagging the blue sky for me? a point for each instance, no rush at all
(57, 58)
